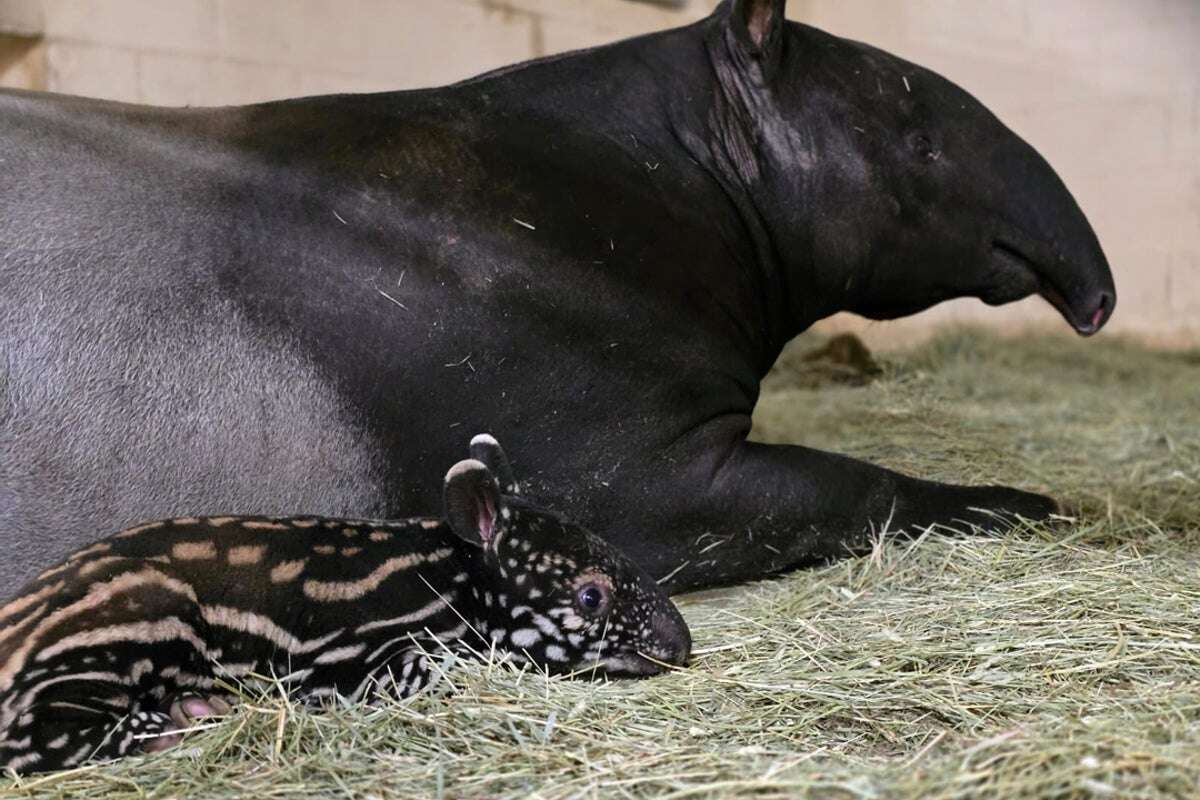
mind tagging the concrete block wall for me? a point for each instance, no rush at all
(1108, 90)
(215, 52)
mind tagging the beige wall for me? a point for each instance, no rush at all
(1108, 90)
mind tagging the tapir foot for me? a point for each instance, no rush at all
(774, 507)
(184, 712)
(992, 509)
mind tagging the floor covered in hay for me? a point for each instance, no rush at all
(1059, 661)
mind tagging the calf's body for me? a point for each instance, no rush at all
(104, 653)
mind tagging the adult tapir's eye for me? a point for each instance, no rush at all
(924, 148)
(592, 598)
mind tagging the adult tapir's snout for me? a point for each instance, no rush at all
(1043, 232)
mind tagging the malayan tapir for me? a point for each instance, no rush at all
(300, 306)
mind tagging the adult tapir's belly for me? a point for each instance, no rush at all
(119, 410)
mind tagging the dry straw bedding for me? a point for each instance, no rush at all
(1057, 661)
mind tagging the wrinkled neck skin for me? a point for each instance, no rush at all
(762, 163)
(746, 142)
(749, 147)
(770, 167)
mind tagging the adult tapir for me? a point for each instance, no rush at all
(304, 306)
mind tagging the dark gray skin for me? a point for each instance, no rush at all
(299, 306)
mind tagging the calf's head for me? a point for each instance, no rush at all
(884, 188)
(550, 591)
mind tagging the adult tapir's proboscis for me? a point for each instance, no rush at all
(300, 306)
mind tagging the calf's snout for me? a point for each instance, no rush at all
(672, 639)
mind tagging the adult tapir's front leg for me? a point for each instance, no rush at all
(765, 508)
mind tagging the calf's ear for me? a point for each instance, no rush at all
(473, 504)
(485, 448)
(757, 28)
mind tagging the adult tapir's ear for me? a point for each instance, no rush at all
(473, 504)
(485, 448)
(757, 26)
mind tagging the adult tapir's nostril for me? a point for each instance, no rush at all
(672, 639)
(1100, 313)
(1103, 311)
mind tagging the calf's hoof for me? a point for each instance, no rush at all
(184, 712)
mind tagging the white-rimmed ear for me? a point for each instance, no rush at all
(485, 448)
(472, 500)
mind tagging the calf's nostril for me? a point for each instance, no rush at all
(672, 637)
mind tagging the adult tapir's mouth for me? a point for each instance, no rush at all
(1086, 309)
(1085, 321)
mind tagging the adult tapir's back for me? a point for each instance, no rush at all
(295, 307)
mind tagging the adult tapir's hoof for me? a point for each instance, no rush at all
(991, 509)
(998, 508)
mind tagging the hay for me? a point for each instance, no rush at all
(1051, 662)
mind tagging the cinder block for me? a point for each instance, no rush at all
(21, 17)
(315, 83)
(175, 80)
(22, 62)
(880, 24)
(961, 25)
(1063, 25)
(92, 70)
(577, 26)
(204, 81)
(619, 15)
(1186, 148)
(1139, 56)
(308, 34)
(1095, 134)
(1183, 284)
(559, 36)
(253, 83)
(414, 43)
(187, 26)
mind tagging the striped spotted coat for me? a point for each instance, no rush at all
(125, 643)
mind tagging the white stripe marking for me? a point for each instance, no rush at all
(340, 654)
(264, 627)
(415, 616)
(331, 591)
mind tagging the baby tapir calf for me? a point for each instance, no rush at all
(126, 642)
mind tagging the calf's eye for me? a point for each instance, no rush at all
(592, 598)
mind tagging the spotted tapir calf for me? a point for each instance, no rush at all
(124, 643)
(596, 255)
